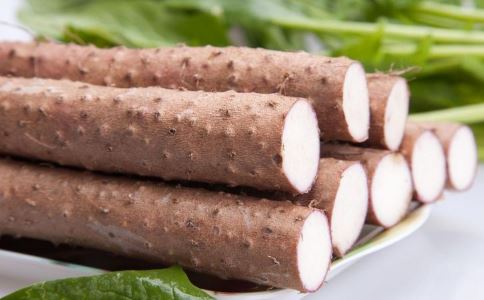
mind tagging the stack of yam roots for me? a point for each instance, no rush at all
(241, 163)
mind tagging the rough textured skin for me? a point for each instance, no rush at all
(205, 68)
(445, 133)
(370, 158)
(323, 193)
(235, 139)
(221, 234)
(379, 87)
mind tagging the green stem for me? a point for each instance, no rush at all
(469, 114)
(450, 11)
(436, 51)
(413, 32)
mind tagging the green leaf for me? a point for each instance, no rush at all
(147, 23)
(170, 284)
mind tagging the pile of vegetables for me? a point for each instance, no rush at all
(437, 45)
(242, 163)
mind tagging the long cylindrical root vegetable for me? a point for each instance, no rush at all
(267, 242)
(426, 156)
(390, 181)
(337, 86)
(389, 101)
(460, 151)
(235, 138)
(341, 190)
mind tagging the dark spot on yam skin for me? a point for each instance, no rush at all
(157, 115)
(86, 97)
(185, 62)
(157, 99)
(83, 71)
(324, 80)
(43, 112)
(216, 53)
(232, 154)
(266, 230)
(83, 115)
(272, 104)
(247, 243)
(59, 99)
(172, 131)
(232, 79)
(156, 77)
(111, 235)
(230, 65)
(128, 76)
(195, 262)
(190, 224)
(277, 159)
(21, 123)
(117, 99)
(12, 53)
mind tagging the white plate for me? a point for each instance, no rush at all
(20, 270)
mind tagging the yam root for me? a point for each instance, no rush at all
(341, 190)
(426, 157)
(337, 86)
(268, 242)
(233, 138)
(389, 101)
(390, 181)
(461, 153)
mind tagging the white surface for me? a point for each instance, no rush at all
(391, 189)
(346, 224)
(356, 101)
(396, 114)
(444, 260)
(300, 144)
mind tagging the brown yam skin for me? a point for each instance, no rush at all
(222, 234)
(445, 133)
(323, 193)
(379, 87)
(370, 158)
(194, 68)
(227, 137)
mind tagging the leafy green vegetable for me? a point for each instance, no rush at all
(111, 22)
(171, 283)
(439, 41)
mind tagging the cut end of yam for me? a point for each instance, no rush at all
(462, 159)
(356, 102)
(350, 208)
(396, 113)
(314, 251)
(428, 167)
(300, 142)
(391, 190)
